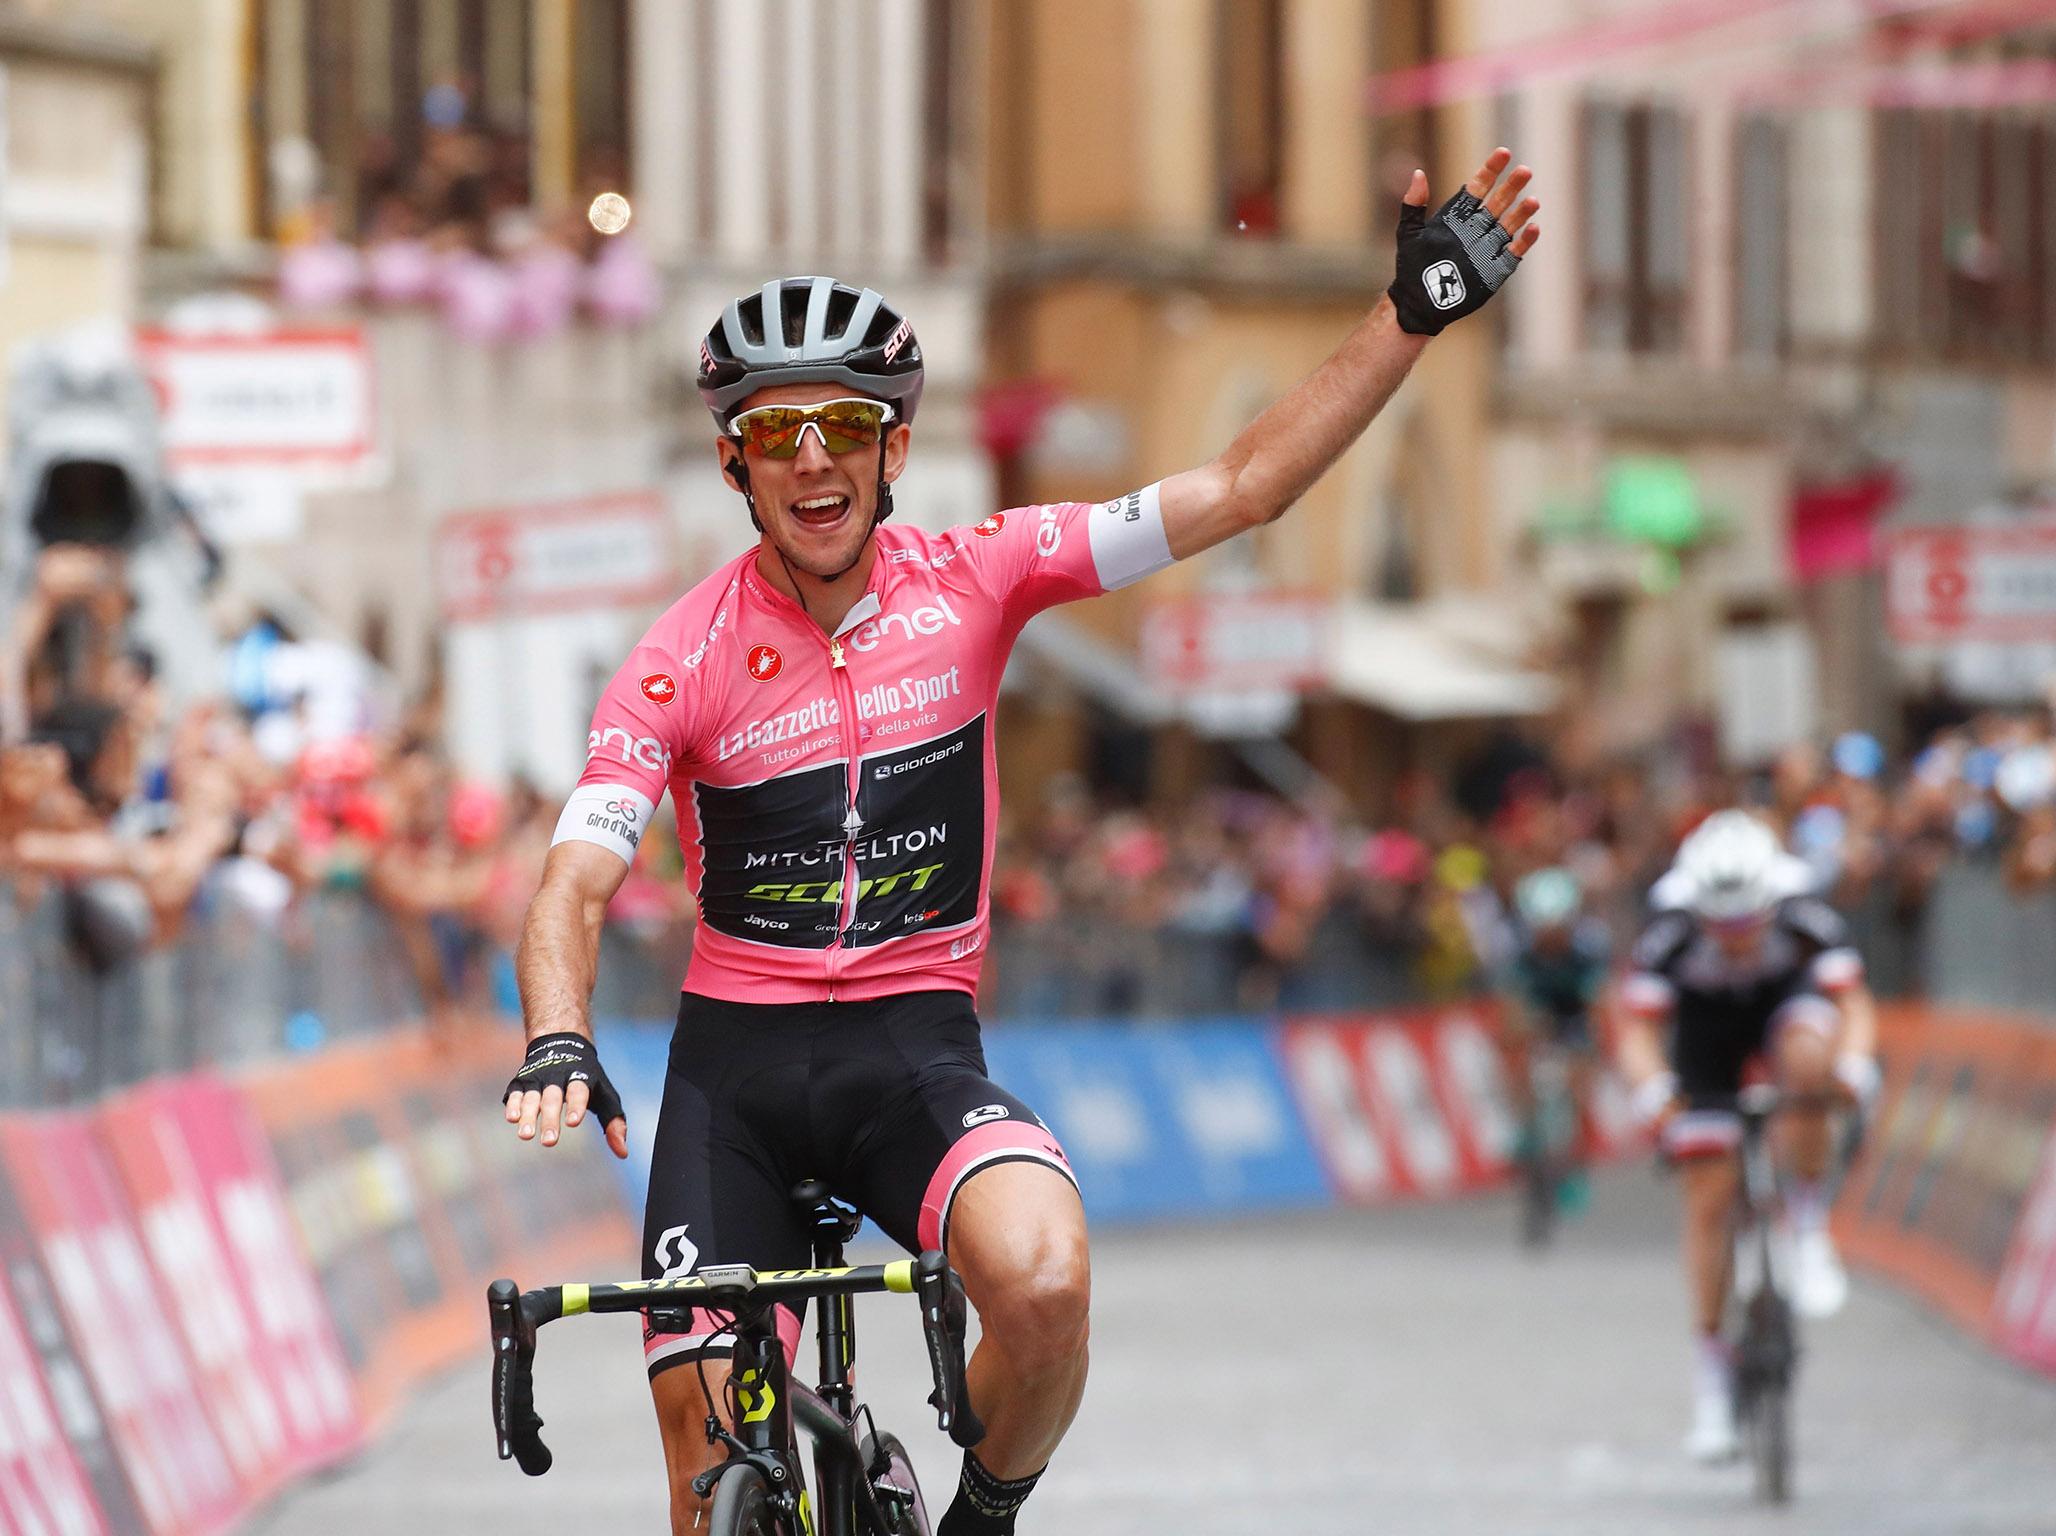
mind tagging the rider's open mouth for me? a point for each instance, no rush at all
(820, 511)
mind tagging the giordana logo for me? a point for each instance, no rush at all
(988, 1112)
(991, 525)
(1127, 508)
(676, 1252)
(765, 663)
(1444, 284)
(658, 688)
(644, 750)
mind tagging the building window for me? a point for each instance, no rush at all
(1967, 235)
(1249, 67)
(1637, 251)
(1760, 224)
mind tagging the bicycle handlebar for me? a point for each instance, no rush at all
(944, 1315)
(516, 1315)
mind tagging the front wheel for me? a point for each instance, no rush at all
(1770, 1446)
(742, 1506)
(891, 1473)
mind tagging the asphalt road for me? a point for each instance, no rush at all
(1393, 1372)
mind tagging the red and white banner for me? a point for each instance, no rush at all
(2024, 1306)
(1415, 1102)
(1235, 641)
(43, 1489)
(141, 1374)
(1972, 582)
(200, 1181)
(588, 552)
(285, 398)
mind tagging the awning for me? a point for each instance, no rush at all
(1407, 661)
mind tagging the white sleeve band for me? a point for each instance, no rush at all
(1127, 538)
(614, 816)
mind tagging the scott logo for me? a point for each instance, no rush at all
(991, 525)
(676, 1252)
(897, 341)
(658, 688)
(765, 663)
(1444, 284)
(644, 750)
(981, 1115)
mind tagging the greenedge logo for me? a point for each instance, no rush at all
(829, 892)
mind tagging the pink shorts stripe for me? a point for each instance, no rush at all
(710, 1337)
(1002, 1141)
(1702, 1133)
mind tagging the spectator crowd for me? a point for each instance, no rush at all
(297, 793)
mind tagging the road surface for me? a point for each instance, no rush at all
(1400, 1371)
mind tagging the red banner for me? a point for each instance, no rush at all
(42, 1486)
(142, 1376)
(205, 1194)
(1940, 1199)
(1415, 1102)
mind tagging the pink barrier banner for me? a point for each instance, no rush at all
(200, 1179)
(54, 1367)
(1414, 1103)
(2024, 1307)
(43, 1489)
(143, 1380)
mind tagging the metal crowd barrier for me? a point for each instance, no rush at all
(234, 986)
(231, 987)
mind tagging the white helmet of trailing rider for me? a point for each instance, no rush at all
(1732, 868)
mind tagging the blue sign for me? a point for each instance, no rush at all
(1165, 1119)
(1158, 1120)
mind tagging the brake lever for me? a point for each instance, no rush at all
(944, 1317)
(515, 1421)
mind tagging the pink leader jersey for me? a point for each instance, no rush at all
(838, 796)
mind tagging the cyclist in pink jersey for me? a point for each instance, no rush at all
(820, 712)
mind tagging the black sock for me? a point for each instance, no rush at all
(984, 1505)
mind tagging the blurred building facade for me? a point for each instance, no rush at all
(1796, 288)
(1190, 209)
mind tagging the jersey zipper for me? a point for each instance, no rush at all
(852, 822)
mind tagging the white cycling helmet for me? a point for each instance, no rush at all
(1731, 869)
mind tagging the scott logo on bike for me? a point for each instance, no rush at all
(676, 1252)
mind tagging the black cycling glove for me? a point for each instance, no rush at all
(559, 1061)
(1449, 265)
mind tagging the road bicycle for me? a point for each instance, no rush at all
(1766, 1338)
(1547, 1148)
(863, 1479)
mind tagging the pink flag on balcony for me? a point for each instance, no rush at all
(319, 275)
(622, 287)
(546, 280)
(478, 297)
(401, 272)
(1834, 525)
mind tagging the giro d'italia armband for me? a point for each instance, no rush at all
(615, 816)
